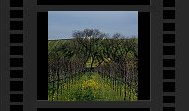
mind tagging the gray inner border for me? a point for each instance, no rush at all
(156, 77)
(30, 38)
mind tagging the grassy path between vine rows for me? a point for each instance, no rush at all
(89, 87)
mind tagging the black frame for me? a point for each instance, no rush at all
(144, 55)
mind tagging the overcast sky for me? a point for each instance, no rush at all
(61, 24)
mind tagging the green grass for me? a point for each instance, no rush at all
(52, 44)
(90, 87)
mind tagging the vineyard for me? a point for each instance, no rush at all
(92, 66)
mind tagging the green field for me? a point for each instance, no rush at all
(52, 44)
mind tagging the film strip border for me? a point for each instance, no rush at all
(16, 55)
(169, 55)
